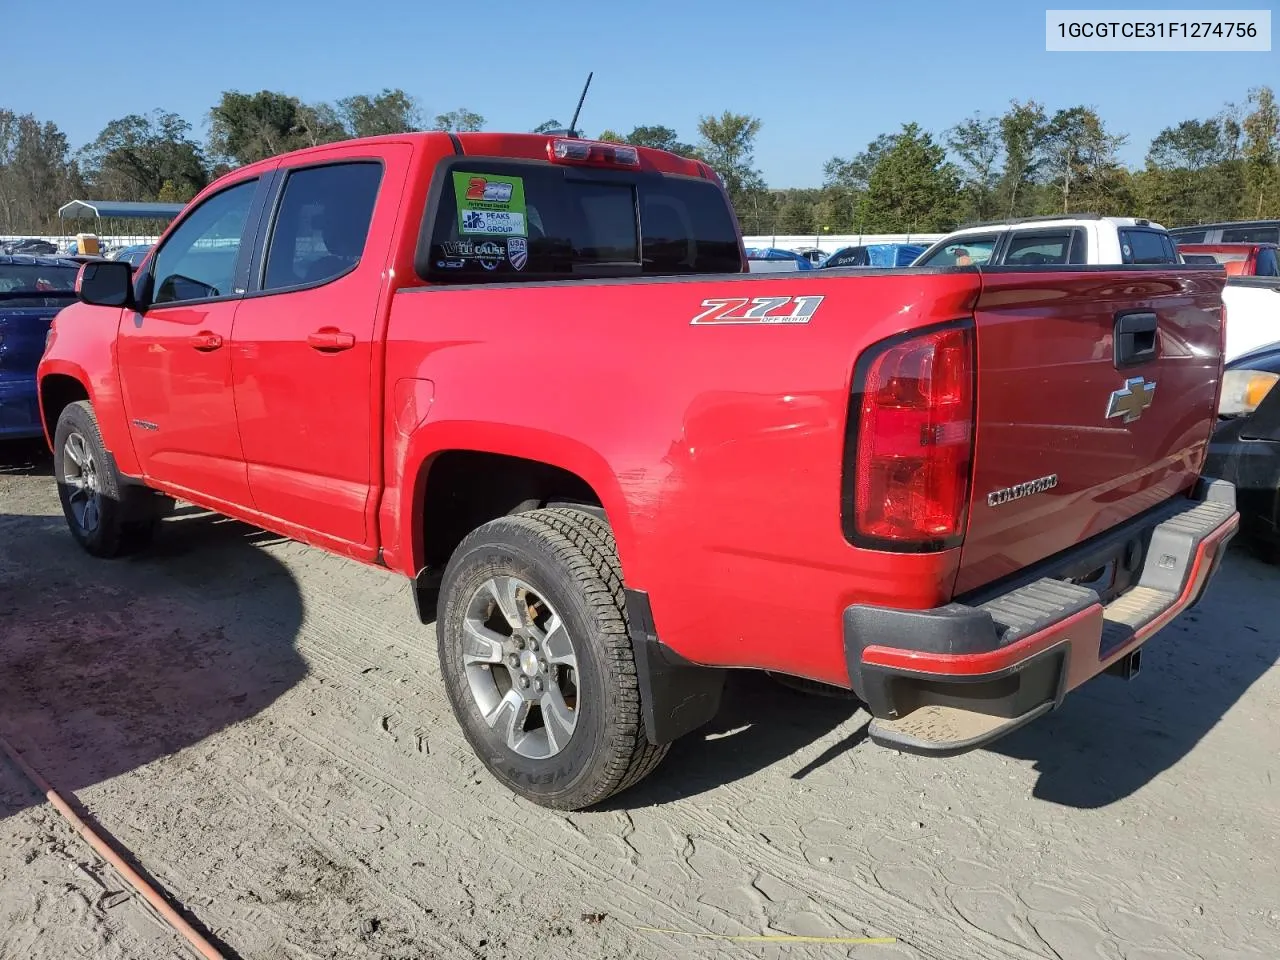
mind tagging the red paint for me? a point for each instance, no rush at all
(1046, 372)
(717, 450)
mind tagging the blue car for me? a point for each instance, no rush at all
(798, 261)
(32, 290)
(875, 255)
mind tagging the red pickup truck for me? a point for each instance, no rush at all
(534, 375)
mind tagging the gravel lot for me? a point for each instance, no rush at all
(262, 726)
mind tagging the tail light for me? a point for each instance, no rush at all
(907, 470)
(592, 153)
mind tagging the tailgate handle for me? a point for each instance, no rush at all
(1135, 340)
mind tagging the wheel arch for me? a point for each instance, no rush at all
(494, 470)
(57, 391)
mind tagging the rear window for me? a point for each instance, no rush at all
(1147, 246)
(1041, 249)
(530, 221)
(35, 285)
(1251, 235)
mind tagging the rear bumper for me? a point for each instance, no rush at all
(947, 680)
(19, 410)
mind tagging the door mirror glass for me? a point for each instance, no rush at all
(105, 283)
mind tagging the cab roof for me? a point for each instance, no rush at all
(522, 146)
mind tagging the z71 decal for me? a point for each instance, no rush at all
(759, 310)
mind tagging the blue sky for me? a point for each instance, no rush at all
(824, 76)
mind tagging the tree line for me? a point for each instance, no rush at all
(1024, 161)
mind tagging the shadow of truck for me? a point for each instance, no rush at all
(106, 666)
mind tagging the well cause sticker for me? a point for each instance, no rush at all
(490, 204)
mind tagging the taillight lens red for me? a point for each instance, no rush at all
(915, 442)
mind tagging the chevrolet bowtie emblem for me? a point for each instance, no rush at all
(1131, 399)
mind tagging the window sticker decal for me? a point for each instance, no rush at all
(489, 204)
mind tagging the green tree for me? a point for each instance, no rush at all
(546, 126)
(728, 145)
(134, 157)
(391, 111)
(1023, 128)
(1261, 129)
(1078, 157)
(246, 127)
(913, 187)
(796, 212)
(659, 138)
(977, 143)
(855, 174)
(37, 173)
(461, 120)
(1192, 173)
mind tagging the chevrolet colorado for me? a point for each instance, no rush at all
(534, 375)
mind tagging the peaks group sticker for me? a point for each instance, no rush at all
(490, 204)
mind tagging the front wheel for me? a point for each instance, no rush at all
(107, 517)
(537, 658)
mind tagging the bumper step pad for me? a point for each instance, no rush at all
(941, 731)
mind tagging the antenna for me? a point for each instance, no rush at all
(573, 124)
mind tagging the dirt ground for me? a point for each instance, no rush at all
(262, 727)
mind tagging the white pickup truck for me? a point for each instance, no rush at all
(1078, 238)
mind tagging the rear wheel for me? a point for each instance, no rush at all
(107, 517)
(537, 659)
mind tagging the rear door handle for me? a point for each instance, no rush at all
(205, 341)
(329, 339)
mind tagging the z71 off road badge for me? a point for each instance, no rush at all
(1131, 399)
(758, 310)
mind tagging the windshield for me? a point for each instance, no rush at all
(36, 282)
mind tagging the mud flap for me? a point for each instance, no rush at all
(676, 696)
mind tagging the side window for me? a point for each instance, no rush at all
(1251, 235)
(198, 260)
(961, 252)
(322, 223)
(1195, 236)
(1146, 246)
(1033, 249)
(1267, 265)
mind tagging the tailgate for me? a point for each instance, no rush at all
(1097, 392)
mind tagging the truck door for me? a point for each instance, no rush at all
(303, 347)
(175, 356)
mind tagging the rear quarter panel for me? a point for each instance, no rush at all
(716, 448)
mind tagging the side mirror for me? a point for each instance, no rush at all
(105, 283)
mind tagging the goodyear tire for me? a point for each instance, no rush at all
(537, 660)
(107, 517)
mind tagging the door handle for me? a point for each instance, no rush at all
(205, 341)
(1136, 339)
(328, 339)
